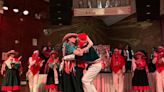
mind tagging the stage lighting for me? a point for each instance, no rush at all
(5, 8)
(25, 12)
(15, 10)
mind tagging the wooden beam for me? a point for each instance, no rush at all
(1, 11)
(162, 7)
(1, 5)
(102, 11)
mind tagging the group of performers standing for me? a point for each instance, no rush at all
(65, 76)
(78, 68)
(139, 70)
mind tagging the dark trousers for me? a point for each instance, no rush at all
(128, 65)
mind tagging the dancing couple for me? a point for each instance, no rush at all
(78, 52)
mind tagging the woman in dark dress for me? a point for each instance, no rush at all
(52, 66)
(72, 71)
(10, 71)
(140, 79)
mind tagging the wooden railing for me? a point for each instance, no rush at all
(102, 11)
(101, 7)
(100, 3)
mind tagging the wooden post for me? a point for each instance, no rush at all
(162, 29)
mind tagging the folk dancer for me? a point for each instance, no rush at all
(35, 62)
(118, 68)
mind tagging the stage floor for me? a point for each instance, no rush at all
(103, 83)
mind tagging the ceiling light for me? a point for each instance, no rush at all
(5, 8)
(16, 10)
(37, 16)
(25, 12)
(21, 19)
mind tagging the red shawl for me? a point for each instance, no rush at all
(117, 66)
(159, 66)
(36, 67)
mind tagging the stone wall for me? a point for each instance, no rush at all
(139, 35)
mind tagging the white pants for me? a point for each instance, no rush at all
(159, 81)
(33, 82)
(118, 81)
(89, 76)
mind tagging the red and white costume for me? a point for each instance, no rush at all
(35, 63)
(159, 61)
(118, 68)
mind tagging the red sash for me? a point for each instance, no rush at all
(68, 67)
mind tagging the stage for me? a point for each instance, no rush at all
(103, 83)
